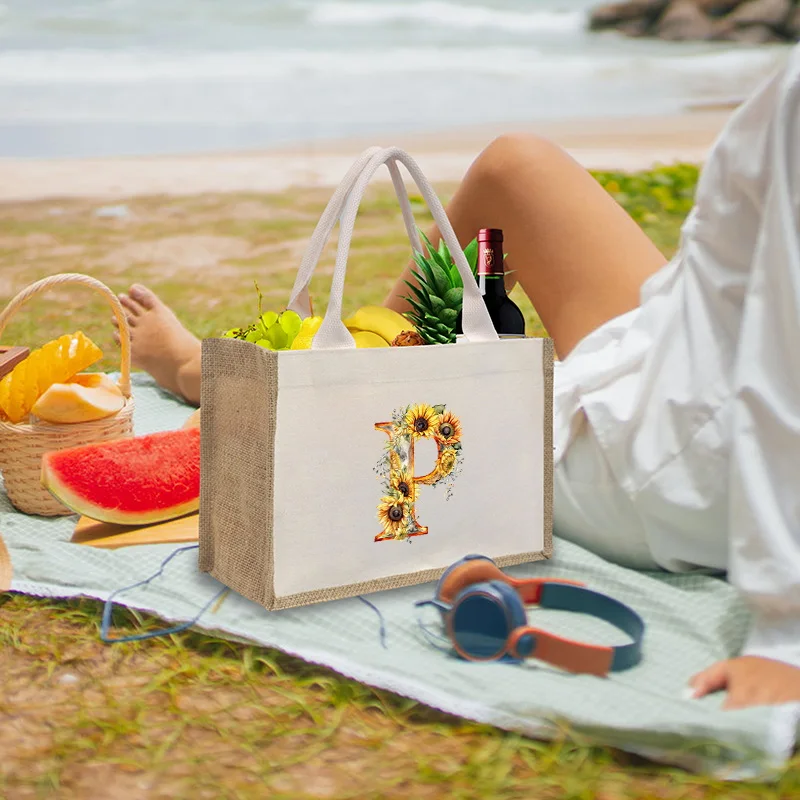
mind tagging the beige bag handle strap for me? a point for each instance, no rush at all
(476, 322)
(92, 283)
(6, 570)
(299, 300)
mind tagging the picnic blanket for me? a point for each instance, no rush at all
(693, 620)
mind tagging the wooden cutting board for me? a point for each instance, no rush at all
(105, 534)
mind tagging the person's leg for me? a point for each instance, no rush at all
(578, 256)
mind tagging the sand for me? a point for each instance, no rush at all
(622, 144)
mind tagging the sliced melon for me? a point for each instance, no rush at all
(67, 403)
(94, 380)
(194, 420)
(135, 481)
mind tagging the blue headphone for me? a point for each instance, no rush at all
(484, 615)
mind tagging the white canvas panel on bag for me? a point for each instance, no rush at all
(326, 490)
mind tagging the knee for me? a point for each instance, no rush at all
(514, 154)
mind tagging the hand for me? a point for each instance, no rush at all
(750, 681)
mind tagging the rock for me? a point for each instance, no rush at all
(750, 34)
(760, 12)
(717, 8)
(792, 24)
(684, 21)
(745, 21)
(615, 14)
(635, 28)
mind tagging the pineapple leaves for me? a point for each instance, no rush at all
(436, 293)
(454, 297)
(471, 252)
(437, 304)
(440, 280)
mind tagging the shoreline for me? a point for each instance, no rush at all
(618, 143)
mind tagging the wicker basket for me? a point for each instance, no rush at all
(22, 445)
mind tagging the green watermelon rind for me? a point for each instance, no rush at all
(82, 505)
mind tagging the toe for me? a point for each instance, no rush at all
(131, 306)
(117, 336)
(143, 295)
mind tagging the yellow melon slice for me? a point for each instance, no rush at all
(193, 421)
(65, 403)
(55, 362)
(95, 380)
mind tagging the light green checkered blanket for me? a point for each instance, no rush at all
(693, 621)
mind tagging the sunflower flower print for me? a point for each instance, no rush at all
(395, 470)
(402, 484)
(395, 517)
(449, 428)
(421, 421)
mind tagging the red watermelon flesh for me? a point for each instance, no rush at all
(135, 481)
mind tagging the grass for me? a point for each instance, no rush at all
(193, 715)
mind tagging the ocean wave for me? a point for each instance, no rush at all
(98, 67)
(450, 15)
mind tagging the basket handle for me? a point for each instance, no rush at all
(92, 283)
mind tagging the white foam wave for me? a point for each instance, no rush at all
(444, 14)
(100, 67)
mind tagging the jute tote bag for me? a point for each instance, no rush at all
(335, 471)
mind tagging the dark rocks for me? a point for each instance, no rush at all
(745, 21)
(683, 21)
(614, 14)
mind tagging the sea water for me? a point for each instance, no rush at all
(126, 77)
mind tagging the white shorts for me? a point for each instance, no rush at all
(590, 507)
(592, 510)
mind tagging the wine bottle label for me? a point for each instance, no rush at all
(490, 263)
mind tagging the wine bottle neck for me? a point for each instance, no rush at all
(492, 285)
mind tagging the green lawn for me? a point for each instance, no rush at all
(196, 716)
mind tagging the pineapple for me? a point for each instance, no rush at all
(407, 339)
(56, 362)
(437, 298)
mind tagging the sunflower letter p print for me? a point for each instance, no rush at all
(396, 510)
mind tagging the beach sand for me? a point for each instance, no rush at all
(618, 144)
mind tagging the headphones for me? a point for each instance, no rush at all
(484, 615)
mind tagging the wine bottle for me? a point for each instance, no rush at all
(506, 316)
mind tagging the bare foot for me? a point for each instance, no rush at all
(161, 345)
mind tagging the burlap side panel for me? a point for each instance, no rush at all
(239, 396)
(548, 366)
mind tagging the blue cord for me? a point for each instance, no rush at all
(380, 617)
(434, 639)
(138, 637)
(109, 606)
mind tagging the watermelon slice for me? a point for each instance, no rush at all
(135, 481)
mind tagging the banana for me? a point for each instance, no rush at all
(306, 333)
(369, 339)
(379, 320)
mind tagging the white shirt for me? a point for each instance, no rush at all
(695, 396)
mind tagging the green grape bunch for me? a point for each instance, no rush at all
(273, 330)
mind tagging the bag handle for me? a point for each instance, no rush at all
(476, 322)
(299, 300)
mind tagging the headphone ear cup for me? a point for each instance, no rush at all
(513, 602)
(482, 618)
(463, 574)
